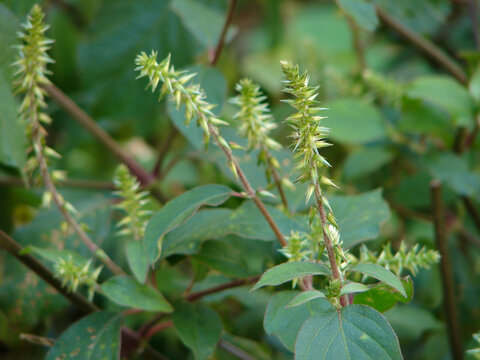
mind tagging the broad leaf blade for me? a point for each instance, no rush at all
(289, 271)
(354, 332)
(353, 287)
(199, 328)
(304, 297)
(96, 336)
(137, 259)
(126, 291)
(284, 322)
(177, 211)
(362, 12)
(382, 297)
(380, 273)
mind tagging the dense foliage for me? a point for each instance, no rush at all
(211, 179)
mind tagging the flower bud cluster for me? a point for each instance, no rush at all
(134, 203)
(73, 274)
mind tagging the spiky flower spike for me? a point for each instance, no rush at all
(308, 136)
(74, 274)
(31, 65)
(256, 124)
(175, 83)
(134, 203)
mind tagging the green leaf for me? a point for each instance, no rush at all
(359, 216)
(454, 171)
(96, 336)
(304, 297)
(53, 255)
(199, 328)
(224, 257)
(354, 121)
(365, 161)
(289, 271)
(446, 94)
(362, 12)
(203, 22)
(246, 221)
(126, 291)
(138, 260)
(285, 322)
(354, 332)
(380, 273)
(353, 287)
(177, 211)
(382, 297)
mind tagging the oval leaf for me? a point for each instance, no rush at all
(285, 322)
(353, 287)
(138, 260)
(126, 291)
(354, 332)
(380, 273)
(177, 211)
(289, 271)
(199, 328)
(304, 297)
(96, 336)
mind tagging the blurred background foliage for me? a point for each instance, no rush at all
(396, 115)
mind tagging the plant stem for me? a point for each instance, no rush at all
(446, 271)
(146, 179)
(277, 179)
(162, 152)
(74, 183)
(223, 34)
(473, 13)
(357, 44)
(234, 350)
(157, 328)
(424, 45)
(328, 243)
(248, 188)
(472, 210)
(38, 268)
(235, 283)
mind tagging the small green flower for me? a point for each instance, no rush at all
(134, 203)
(298, 247)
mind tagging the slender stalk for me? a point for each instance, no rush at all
(427, 47)
(162, 152)
(38, 268)
(239, 282)
(73, 183)
(277, 179)
(157, 328)
(472, 210)
(446, 271)
(357, 44)
(328, 243)
(59, 202)
(234, 350)
(223, 34)
(247, 187)
(145, 178)
(473, 13)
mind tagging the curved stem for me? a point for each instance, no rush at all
(223, 34)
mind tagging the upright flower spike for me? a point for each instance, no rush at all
(256, 124)
(308, 136)
(31, 73)
(134, 203)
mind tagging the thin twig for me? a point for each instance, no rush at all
(446, 270)
(472, 210)
(146, 179)
(424, 45)
(357, 44)
(162, 152)
(248, 188)
(73, 183)
(223, 34)
(328, 243)
(235, 283)
(157, 328)
(234, 350)
(38, 268)
(276, 178)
